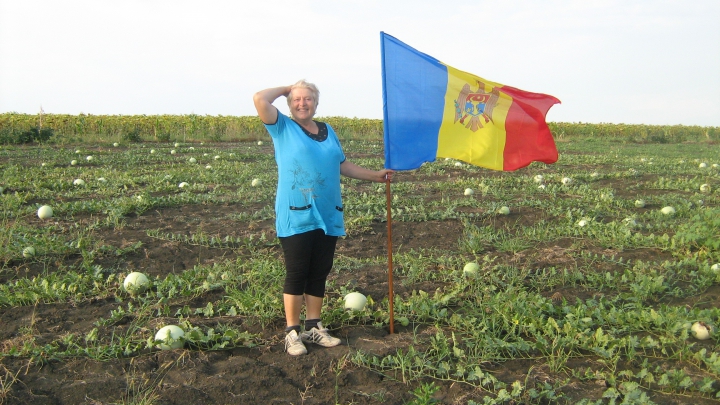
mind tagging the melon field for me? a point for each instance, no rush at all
(587, 291)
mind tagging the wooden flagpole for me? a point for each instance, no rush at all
(391, 299)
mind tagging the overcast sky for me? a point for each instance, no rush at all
(614, 61)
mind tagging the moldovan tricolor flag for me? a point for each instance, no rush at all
(432, 110)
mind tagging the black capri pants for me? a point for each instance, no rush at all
(308, 261)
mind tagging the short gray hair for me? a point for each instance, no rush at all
(302, 84)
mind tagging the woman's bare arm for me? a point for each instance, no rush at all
(263, 100)
(354, 171)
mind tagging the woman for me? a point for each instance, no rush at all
(308, 205)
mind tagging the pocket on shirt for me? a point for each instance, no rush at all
(338, 218)
(302, 216)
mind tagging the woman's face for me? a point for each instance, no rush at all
(302, 104)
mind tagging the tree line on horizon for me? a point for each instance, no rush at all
(17, 128)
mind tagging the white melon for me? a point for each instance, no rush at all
(136, 283)
(355, 301)
(471, 269)
(45, 212)
(28, 252)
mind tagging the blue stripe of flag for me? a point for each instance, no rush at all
(414, 87)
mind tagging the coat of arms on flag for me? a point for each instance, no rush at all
(475, 104)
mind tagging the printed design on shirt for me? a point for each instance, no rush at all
(307, 182)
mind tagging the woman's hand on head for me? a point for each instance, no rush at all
(263, 100)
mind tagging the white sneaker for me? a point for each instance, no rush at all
(294, 345)
(320, 336)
